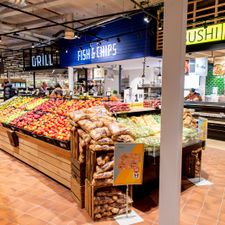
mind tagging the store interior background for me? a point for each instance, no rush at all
(106, 76)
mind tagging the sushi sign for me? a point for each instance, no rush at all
(207, 34)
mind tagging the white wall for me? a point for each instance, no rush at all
(112, 84)
(135, 77)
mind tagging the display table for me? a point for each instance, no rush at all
(49, 159)
(215, 113)
(191, 167)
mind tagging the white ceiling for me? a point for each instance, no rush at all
(57, 11)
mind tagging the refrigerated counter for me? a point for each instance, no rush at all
(214, 112)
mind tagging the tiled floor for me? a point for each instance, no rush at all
(27, 197)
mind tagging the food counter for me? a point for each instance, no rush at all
(215, 113)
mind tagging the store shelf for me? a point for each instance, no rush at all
(138, 111)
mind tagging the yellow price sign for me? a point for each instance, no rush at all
(128, 164)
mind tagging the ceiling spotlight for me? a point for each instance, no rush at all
(77, 35)
(57, 51)
(160, 26)
(118, 40)
(32, 46)
(147, 19)
(66, 51)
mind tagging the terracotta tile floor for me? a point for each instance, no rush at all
(28, 197)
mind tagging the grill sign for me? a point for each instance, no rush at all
(42, 60)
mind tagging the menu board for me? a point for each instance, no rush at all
(128, 167)
(219, 66)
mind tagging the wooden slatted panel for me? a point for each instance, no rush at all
(47, 158)
(199, 13)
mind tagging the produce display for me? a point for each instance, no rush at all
(146, 129)
(34, 103)
(42, 117)
(117, 106)
(188, 120)
(109, 202)
(98, 130)
(26, 119)
(57, 127)
(155, 103)
(13, 115)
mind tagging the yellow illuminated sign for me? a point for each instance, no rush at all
(207, 34)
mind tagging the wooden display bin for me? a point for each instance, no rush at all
(90, 191)
(78, 192)
(74, 146)
(47, 158)
(91, 158)
(78, 171)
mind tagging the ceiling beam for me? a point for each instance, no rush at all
(46, 19)
(76, 21)
(29, 34)
(33, 8)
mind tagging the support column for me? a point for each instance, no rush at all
(175, 18)
(34, 80)
(71, 78)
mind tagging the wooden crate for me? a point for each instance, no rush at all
(91, 161)
(191, 163)
(78, 171)
(90, 194)
(74, 146)
(78, 192)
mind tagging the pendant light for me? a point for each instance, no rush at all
(160, 74)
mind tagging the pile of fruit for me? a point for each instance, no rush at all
(57, 127)
(50, 105)
(16, 102)
(72, 105)
(33, 103)
(117, 106)
(26, 119)
(7, 119)
(156, 104)
(41, 116)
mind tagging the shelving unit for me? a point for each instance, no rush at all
(215, 113)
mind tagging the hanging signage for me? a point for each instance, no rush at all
(97, 52)
(219, 66)
(119, 40)
(207, 34)
(128, 164)
(41, 58)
